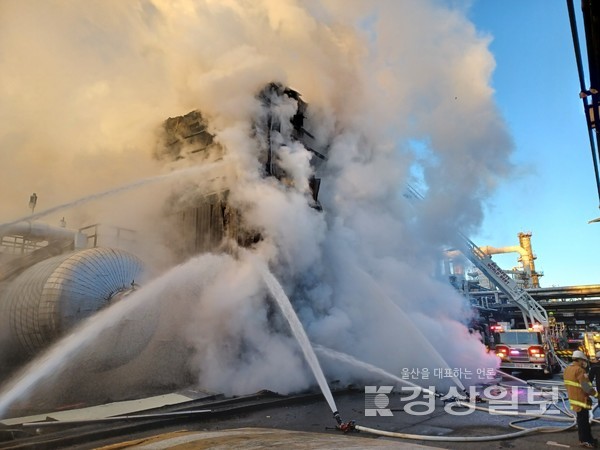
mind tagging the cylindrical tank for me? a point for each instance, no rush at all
(49, 298)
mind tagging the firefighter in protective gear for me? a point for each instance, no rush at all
(579, 390)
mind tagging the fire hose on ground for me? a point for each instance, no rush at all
(568, 419)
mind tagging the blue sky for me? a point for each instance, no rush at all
(553, 194)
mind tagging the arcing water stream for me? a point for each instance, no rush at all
(79, 340)
(68, 347)
(385, 299)
(344, 357)
(299, 333)
(194, 170)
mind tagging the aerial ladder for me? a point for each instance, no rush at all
(532, 311)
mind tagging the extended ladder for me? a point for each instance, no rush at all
(532, 311)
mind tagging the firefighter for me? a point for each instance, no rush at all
(579, 390)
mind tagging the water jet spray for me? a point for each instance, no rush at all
(127, 187)
(299, 333)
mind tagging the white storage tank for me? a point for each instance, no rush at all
(49, 298)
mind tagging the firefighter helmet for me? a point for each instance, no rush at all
(578, 354)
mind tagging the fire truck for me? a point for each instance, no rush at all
(524, 349)
(529, 348)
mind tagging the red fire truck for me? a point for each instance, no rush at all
(523, 349)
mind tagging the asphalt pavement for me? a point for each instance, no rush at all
(306, 421)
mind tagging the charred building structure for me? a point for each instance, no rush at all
(206, 222)
(52, 277)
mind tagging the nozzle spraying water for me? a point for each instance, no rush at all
(345, 427)
(338, 419)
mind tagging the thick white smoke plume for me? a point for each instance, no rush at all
(399, 92)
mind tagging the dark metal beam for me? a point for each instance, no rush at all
(592, 111)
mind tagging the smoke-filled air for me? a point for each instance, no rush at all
(397, 92)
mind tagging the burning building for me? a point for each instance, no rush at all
(52, 278)
(206, 221)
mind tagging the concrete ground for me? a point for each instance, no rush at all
(254, 438)
(309, 423)
(315, 418)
